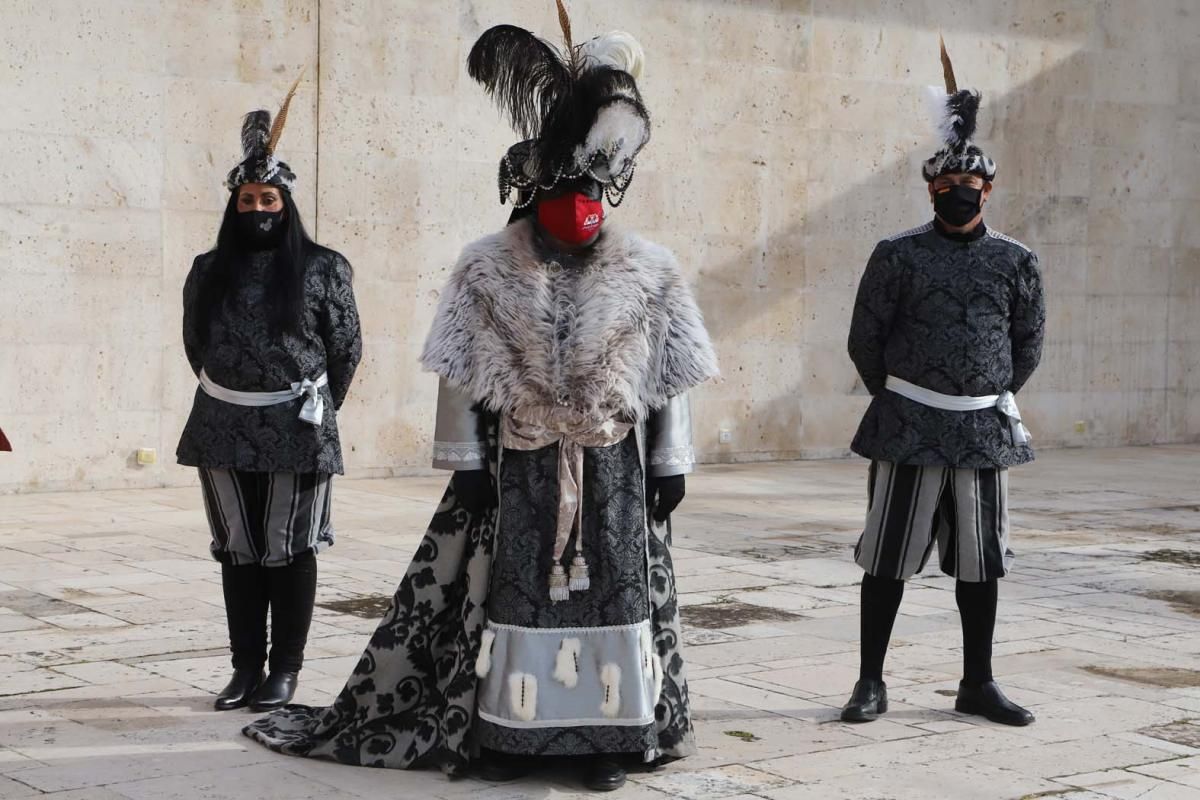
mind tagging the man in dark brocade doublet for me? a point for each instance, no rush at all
(947, 328)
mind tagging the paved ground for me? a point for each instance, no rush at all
(111, 644)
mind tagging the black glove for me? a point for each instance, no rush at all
(663, 495)
(474, 489)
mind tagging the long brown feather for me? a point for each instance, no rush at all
(947, 68)
(281, 117)
(564, 21)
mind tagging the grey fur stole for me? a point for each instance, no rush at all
(617, 335)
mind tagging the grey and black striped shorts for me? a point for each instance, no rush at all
(266, 518)
(964, 510)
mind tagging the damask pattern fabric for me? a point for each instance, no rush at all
(411, 700)
(614, 533)
(241, 352)
(614, 542)
(959, 318)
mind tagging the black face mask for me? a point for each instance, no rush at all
(958, 204)
(260, 230)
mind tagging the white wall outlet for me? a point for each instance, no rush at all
(146, 456)
(724, 436)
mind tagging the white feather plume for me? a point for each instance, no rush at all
(618, 134)
(616, 49)
(938, 103)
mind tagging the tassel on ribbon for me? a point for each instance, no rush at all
(559, 587)
(541, 426)
(580, 582)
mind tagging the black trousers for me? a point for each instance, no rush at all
(288, 593)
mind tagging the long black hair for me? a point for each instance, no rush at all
(285, 286)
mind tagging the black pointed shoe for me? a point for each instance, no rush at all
(986, 700)
(275, 692)
(867, 701)
(604, 774)
(495, 767)
(237, 693)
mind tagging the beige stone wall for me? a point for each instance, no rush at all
(787, 141)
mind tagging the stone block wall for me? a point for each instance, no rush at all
(788, 137)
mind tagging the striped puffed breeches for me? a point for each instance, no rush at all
(266, 518)
(965, 511)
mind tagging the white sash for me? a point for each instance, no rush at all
(1005, 403)
(312, 412)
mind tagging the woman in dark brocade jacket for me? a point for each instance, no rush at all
(947, 328)
(271, 330)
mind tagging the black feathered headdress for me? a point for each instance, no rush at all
(259, 139)
(578, 109)
(954, 116)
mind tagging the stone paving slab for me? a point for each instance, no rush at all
(112, 644)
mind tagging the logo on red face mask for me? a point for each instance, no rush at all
(572, 218)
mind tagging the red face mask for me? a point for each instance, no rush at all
(572, 218)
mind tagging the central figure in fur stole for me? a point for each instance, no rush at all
(539, 616)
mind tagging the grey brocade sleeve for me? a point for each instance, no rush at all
(669, 449)
(192, 344)
(459, 437)
(1028, 322)
(874, 310)
(340, 330)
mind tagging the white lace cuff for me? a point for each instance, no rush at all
(459, 455)
(672, 460)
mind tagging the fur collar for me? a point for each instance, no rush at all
(619, 333)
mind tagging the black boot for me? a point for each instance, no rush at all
(293, 591)
(978, 692)
(604, 774)
(237, 693)
(275, 692)
(247, 599)
(988, 701)
(867, 701)
(495, 767)
(880, 604)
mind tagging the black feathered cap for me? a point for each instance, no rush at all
(954, 116)
(259, 139)
(579, 109)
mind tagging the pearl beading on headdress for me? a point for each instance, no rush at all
(511, 178)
